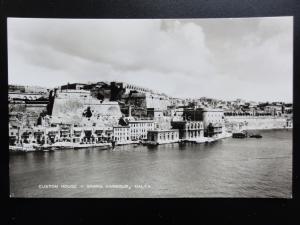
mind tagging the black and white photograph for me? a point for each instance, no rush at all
(150, 108)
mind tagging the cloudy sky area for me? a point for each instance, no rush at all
(249, 58)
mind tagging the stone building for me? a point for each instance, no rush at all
(121, 134)
(209, 116)
(189, 129)
(139, 129)
(13, 137)
(213, 116)
(213, 122)
(156, 137)
(213, 130)
(192, 113)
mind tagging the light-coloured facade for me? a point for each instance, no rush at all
(52, 135)
(121, 134)
(189, 129)
(139, 129)
(213, 122)
(77, 134)
(70, 105)
(163, 136)
(274, 110)
(213, 116)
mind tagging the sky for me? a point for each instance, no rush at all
(248, 58)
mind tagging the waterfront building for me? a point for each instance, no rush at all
(214, 130)
(121, 134)
(77, 134)
(27, 135)
(103, 134)
(65, 132)
(13, 136)
(207, 115)
(163, 136)
(274, 110)
(139, 129)
(213, 121)
(52, 134)
(89, 136)
(39, 135)
(213, 116)
(189, 129)
(107, 135)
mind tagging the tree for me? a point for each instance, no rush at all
(87, 113)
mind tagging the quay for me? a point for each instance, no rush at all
(57, 146)
(157, 137)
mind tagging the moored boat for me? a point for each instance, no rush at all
(91, 145)
(255, 136)
(239, 135)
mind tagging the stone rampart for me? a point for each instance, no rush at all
(252, 123)
(68, 109)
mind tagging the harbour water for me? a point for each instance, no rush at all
(227, 168)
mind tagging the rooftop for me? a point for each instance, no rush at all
(157, 131)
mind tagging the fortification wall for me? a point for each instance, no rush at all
(70, 110)
(253, 123)
(147, 100)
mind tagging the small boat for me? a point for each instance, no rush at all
(239, 135)
(255, 136)
(92, 145)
